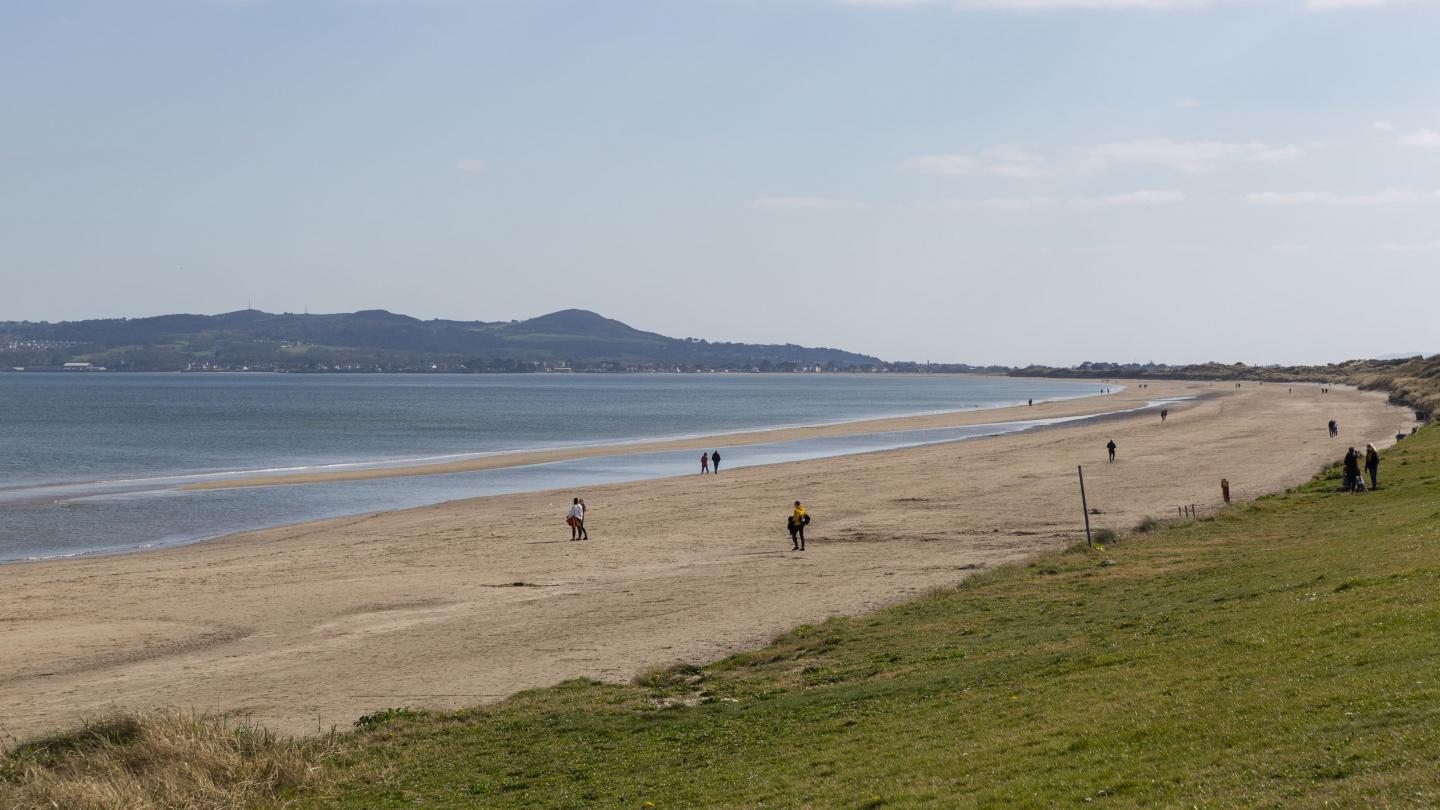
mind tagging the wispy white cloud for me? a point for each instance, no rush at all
(1330, 5)
(1000, 161)
(1046, 5)
(1382, 126)
(1127, 199)
(1411, 247)
(1421, 137)
(889, 3)
(805, 202)
(992, 203)
(471, 166)
(1132, 198)
(1031, 5)
(1185, 156)
(1389, 196)
(1277, 154)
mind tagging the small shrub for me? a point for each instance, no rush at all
(380, 718)
(677, 676)
(1148, 524)
(1105, 536)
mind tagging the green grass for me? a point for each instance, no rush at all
(1282, 654)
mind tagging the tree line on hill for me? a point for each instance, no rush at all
(1413, 382)
(572, 339)
(377, 340)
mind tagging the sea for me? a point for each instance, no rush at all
(94, 463)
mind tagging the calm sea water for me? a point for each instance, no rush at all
(91, 463)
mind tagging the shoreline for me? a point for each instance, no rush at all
(899, 440)
(423, 464)
(337, 618)
(500, 459)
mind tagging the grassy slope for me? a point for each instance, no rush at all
(1283, 653)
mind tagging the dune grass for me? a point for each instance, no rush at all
(160, 760)
(1281, 653)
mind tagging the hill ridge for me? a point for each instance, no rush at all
(382, 340)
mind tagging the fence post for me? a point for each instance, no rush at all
(1085, 507)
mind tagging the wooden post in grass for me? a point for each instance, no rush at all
(1085, 508)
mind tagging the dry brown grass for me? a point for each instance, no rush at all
(160, 760)
(1413, 382)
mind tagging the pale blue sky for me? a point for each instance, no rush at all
(1002, 181)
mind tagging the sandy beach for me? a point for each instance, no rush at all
(309, 626)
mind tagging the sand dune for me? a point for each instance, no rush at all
(312, 625)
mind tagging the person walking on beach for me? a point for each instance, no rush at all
(576, 519)
(1111, 447)
(1372, 465)
(799, 519)
(715, 461)
(1164, 414)
(704, 463)
(1334, 429)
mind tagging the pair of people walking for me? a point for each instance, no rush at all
(576, 520)
(708, 461)
(796, 524)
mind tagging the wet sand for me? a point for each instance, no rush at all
(1118, 400)
(308, 626)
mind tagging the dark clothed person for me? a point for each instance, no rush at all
(715, 461)
(1111, 448)
(1352, 471)
(1372, 465)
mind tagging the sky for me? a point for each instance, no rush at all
(982, 181)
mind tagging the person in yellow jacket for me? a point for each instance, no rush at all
(797, 522)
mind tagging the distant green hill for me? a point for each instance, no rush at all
(379, 340)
